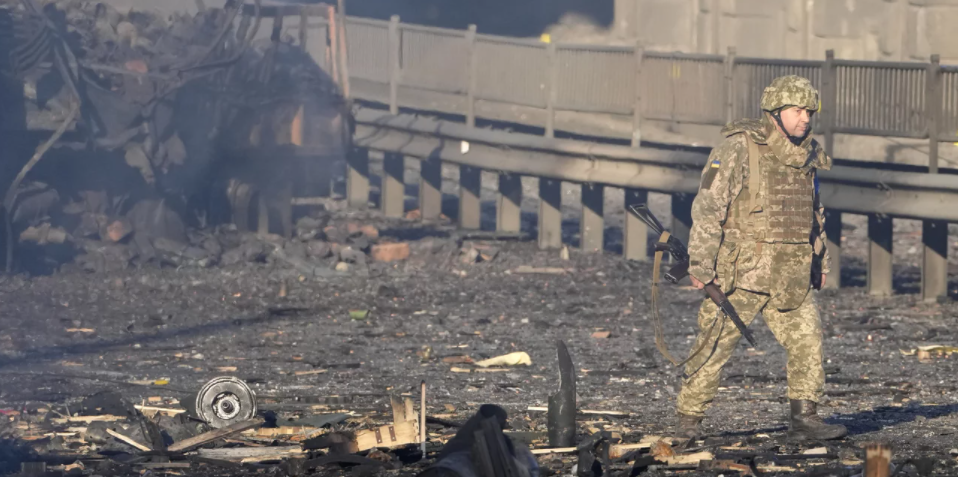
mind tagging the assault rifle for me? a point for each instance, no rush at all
(680, 254)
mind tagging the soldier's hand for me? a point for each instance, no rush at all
(823, 280)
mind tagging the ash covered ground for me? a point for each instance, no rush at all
(73, 334)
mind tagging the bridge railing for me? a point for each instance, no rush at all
(544, 84)
(908, 100)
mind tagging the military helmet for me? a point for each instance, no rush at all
(790, 90)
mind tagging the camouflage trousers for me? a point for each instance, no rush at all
(799, 331)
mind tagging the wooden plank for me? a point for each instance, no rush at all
(689, 459)
(89, 419)
(206, 437)
(554, 450)
(234, 453)
(389, 436)
(620, 450)
(128, 440)
(282, 431)
(162, 410)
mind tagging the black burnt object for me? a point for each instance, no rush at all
(562, 405)
(481, 449)
(594, 455)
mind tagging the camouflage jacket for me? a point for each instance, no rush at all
(719, 187)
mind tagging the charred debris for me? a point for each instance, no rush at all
(225, 427)
(137, 139)
(133, 140)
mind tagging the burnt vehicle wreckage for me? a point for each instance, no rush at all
(131, 140)
(160, 126)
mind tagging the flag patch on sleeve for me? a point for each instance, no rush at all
(710, 174)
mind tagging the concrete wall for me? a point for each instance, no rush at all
(900, 30)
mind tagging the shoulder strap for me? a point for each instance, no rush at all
(754, 179)
(657, 321)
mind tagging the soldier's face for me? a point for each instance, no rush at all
(795, 120)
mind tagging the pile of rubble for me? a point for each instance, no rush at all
(190, 105)
(151, 233)
(227, 427)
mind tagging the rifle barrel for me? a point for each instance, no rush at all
(645, 215)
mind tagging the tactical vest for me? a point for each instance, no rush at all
(781, 197)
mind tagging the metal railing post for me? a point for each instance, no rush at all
(833, 231)
(934, 234)
(394, 71)
(639, 54)
(730, 84)
(552, 93)
(829, 101)
(471, 75)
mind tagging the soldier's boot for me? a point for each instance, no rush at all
(689, 427)
(805, 423)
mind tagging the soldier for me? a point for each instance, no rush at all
(758, 233)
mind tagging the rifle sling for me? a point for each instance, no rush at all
(657, 322)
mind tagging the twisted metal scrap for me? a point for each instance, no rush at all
(12, 190)
(44, 39)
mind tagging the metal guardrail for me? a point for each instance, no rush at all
(879, 192)
(845, 188)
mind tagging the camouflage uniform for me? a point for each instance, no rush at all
(757, 237)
